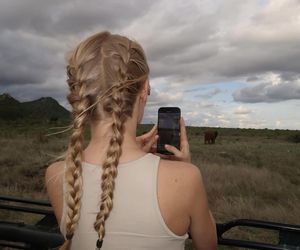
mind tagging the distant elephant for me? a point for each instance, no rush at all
(210, 136)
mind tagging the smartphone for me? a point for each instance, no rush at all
(168, 127)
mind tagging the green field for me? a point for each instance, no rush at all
(248, 173)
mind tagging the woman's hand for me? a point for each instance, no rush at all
(147, 141)
(184, 153)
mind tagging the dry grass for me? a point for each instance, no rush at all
(251, 177)
(250, 174)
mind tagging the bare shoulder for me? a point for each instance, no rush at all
(187, 171)
(54, 172)
(187, 176)
(54, 185)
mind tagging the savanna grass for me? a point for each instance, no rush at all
(250, 174)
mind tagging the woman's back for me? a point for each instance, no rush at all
(151, 197)
(135, 221)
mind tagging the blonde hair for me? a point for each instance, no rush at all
(105, 74)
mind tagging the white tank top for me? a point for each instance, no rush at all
(135, 222)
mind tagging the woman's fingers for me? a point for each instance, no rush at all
(178, 155)
(162, 156)
(147, 140)
(173, 150)
(184, 153)
(183, 137)
(149, 134)
(149, 144)
(167, 157)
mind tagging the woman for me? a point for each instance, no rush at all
(114, 194)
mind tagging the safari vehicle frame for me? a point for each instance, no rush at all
(45, 233)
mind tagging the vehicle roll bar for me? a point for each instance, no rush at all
(45, 233)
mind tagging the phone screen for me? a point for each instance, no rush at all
(168, 128)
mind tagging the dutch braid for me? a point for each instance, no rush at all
(106, 73)
(110, 167)
(114, 151)
(73, 174)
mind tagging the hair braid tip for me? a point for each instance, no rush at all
(99, 244)
(69, 236)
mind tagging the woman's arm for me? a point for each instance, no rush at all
(203, 225)
(54, 186)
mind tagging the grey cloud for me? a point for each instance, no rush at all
(252, 79)
(93, 14)
(266, 92)
(26, 59)
(209, 94)
(69, 17)
(29, 92)
(187, 42)
(35, 35)
(256, 61)
(289, 76)
(207, 105)
(194, 89)
(212, 46)
(28, 15)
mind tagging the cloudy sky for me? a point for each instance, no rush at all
(227, 63)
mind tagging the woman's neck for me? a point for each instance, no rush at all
(101, 133)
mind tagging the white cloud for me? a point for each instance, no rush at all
(162, 98)
(242, 111)
(278, 123)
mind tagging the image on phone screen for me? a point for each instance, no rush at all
(168, 128)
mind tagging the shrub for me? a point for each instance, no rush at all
(294, 138)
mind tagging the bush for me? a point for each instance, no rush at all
(294, 138)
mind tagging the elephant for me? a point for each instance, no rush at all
(210, 136)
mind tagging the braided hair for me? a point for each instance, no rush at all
(105, 74)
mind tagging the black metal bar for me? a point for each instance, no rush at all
(39, 236)
(14, 246)
(250, 244)
(259, 224)
(289, 235)
(19, 232)
(26, 209)
(31, 235)
(48, 221)
(25, 200)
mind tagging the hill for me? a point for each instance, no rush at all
(10, 108)
(45, 108)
